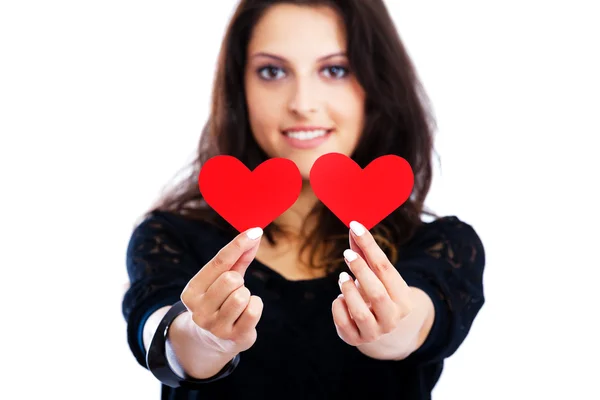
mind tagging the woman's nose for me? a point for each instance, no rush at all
(304, 98)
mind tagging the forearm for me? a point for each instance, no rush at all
(185, 351)
(410, 335)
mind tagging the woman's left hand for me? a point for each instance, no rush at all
(366, 313)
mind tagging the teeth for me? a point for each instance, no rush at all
(302, 135)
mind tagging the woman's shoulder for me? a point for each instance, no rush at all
(180, 224)
(450, 225)
(168, 228)
(448, 237)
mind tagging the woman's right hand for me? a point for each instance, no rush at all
(223, 312)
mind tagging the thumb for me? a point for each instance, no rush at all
(241, 265)
(354, 247)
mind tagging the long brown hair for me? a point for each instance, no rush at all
(398, 121)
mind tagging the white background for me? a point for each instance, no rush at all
(101, 103)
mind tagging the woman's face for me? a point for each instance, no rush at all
(302, 100)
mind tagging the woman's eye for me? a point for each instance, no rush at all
(336, 71)
(269, 73)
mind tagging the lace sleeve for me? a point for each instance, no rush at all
(447, 261)
(159, 268)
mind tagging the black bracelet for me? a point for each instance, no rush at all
(157, 362)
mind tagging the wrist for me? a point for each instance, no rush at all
(426, 316)
(202, 337)
(197, 365)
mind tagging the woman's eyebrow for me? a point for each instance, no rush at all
(278, 58)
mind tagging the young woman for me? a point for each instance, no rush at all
(276, 316)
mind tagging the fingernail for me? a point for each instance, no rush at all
(357, 228)
(340, 295)
(356, 283)
(344, 277)
(254, 233)
(350, 255)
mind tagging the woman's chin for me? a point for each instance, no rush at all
(305, 176)
(305, 165)
(304, 170)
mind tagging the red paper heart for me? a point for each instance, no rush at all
(248, 199)
(367, 196)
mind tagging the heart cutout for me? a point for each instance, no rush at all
(248, 199)
(367, 196)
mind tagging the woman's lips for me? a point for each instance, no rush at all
(307, 143)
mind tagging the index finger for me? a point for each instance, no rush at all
(379, 263)
(237, 255)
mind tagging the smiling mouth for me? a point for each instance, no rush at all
(307, 135)
(306, 140)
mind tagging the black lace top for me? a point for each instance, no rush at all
(298, 354)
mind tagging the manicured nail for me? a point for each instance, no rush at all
(344, 277)
(254, 233)
(357, 228)
(356, 283)
(341, 295)
(350, 255)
